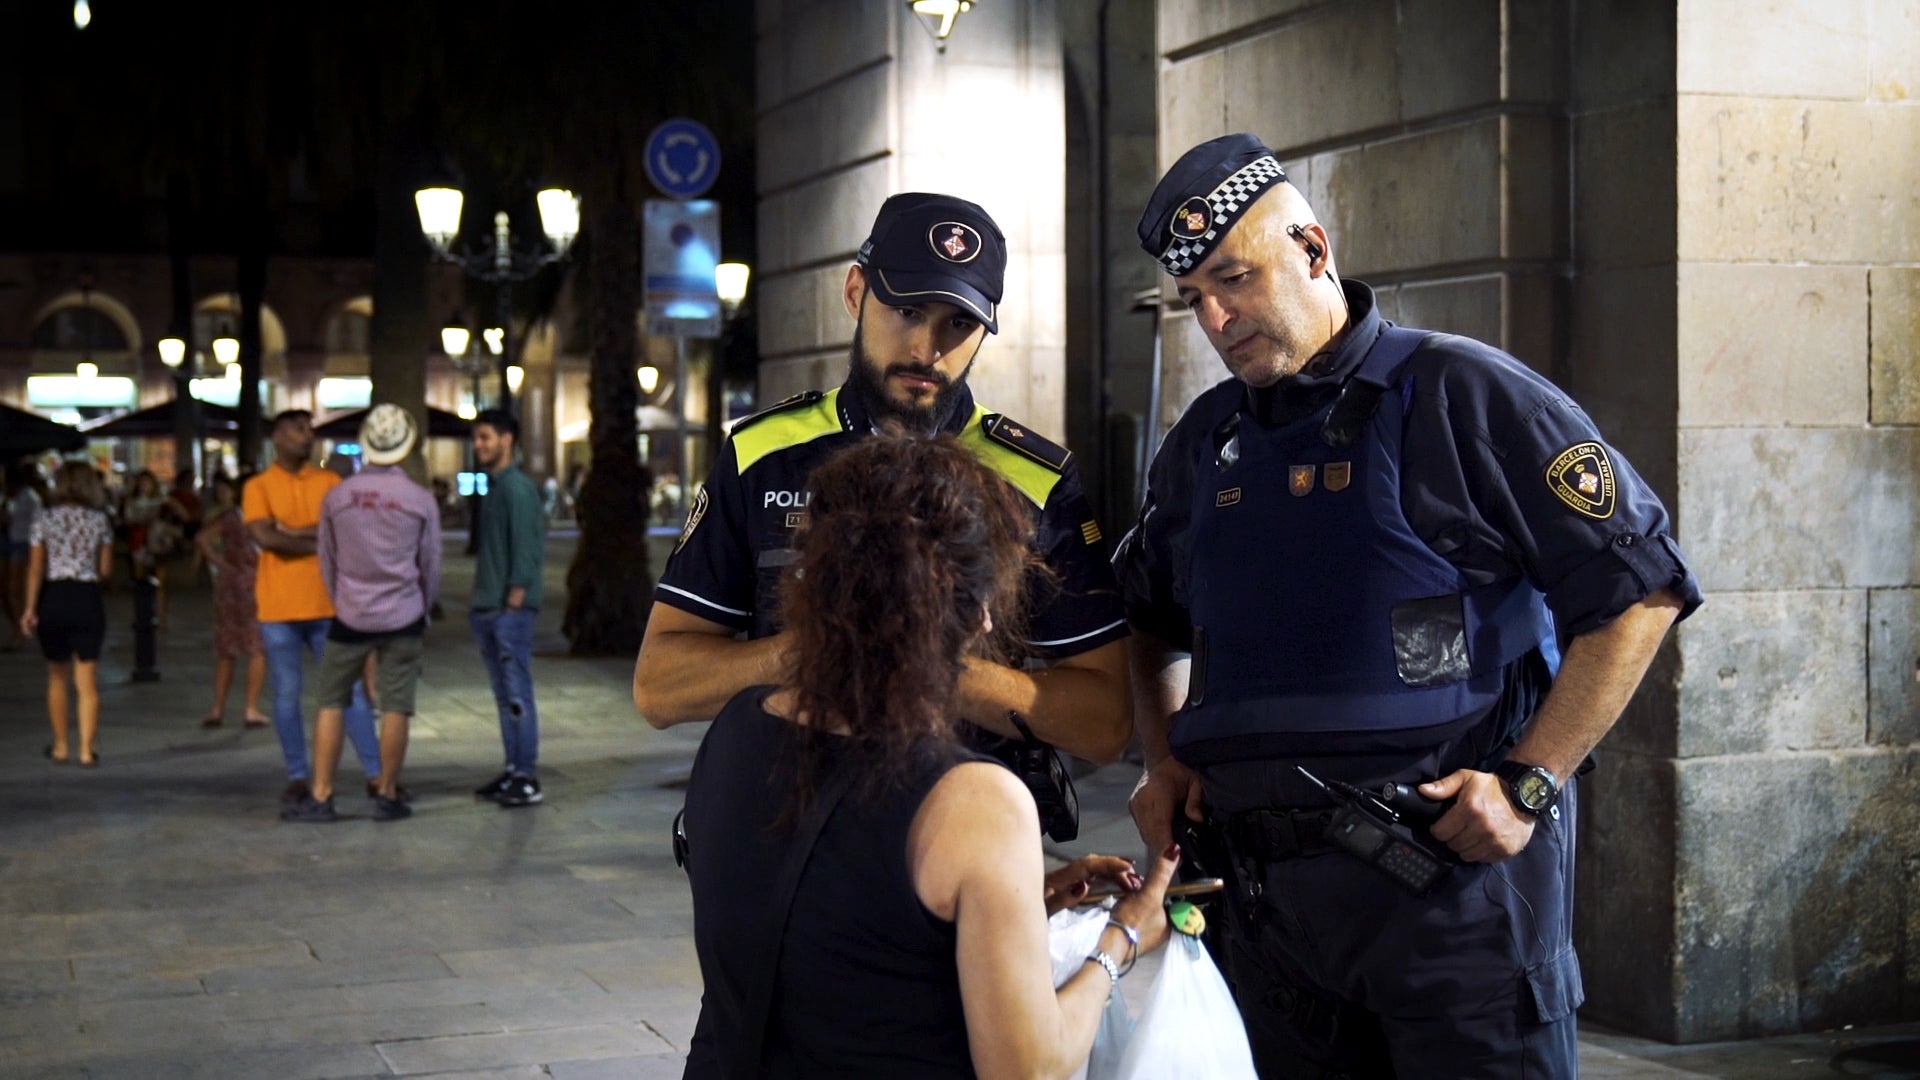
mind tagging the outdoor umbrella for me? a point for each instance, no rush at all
(441, 424)
(157, 421)
(22, 433)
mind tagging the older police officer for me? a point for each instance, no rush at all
(1363, 554)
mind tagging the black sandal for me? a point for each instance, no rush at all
(48, 751)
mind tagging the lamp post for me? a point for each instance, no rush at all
(499, 265)
(730, 283)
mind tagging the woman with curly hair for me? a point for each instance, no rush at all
(869, 896)
(71, 548)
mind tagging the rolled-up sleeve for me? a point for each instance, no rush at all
(1561, 505)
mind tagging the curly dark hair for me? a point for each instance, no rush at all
(908, 541)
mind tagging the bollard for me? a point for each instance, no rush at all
(146, 590)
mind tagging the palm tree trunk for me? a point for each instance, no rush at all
(610, 584)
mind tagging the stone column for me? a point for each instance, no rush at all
(855, 105)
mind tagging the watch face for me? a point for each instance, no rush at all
(1535, 791)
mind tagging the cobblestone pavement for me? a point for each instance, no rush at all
(161, 922)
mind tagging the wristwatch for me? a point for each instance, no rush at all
(1530, 788)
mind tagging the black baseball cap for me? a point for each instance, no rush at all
(1203, 196)
(935, 247)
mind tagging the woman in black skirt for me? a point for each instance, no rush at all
(71, 554)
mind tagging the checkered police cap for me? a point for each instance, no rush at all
(1202, 196)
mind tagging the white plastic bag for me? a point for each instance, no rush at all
(1190, 1027)
(1071, 936)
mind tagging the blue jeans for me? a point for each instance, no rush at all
(506, 646)
(285, 641)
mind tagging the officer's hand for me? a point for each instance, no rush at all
(1483, 826)
(1162, 790)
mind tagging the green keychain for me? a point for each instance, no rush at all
(1186, 918)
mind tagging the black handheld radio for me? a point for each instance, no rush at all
(1372, 828)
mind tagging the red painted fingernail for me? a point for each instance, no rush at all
(1172, 852)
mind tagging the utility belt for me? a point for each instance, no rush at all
(1276, 835)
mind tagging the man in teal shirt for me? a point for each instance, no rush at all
(506, 601)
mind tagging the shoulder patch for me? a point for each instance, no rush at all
(1017, 438)
(1582, 477)
(805, 397)
(799, 419)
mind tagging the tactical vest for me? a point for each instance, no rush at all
(1315, 606)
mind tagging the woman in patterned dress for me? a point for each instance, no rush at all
(224, 543)
(70, 554)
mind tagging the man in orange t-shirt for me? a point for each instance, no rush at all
(281, 507)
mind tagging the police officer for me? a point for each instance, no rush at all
(1363, 554)
(923, 295)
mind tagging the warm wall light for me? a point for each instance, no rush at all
(82, 14)
(939, 16)
(173, 351)
(86, 370)
(649, 379)
(730, 281)
(496, 339)
(226, 350)
(515, 376)
(439, 209)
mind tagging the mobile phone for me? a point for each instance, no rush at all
(1184, 888)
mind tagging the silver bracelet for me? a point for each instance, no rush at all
(1133, 942)
(1100, 957)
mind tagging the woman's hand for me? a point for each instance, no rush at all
(29, 623)
(1144, 910)
(1069, 884)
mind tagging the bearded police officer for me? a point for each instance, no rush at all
(923, 295)
(1368, 553)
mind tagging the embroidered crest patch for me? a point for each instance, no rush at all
(693, 520)
(1582, 477)
(1300, 479)
(1192, 220)
(1338, 475)
(954, 242)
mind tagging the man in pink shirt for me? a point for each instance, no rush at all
(379, 547)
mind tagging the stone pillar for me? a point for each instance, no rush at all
(1721, 271)
(855, 104)
(1796, 784)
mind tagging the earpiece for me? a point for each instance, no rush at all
(1314, 251)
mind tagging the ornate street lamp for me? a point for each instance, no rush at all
(499, 265)
(939, 16)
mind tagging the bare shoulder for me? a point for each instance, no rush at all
(977, 824)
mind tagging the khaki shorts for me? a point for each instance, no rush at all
(342, 662)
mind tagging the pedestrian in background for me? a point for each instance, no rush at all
(506, 602)
(24, 501)
(232, 557)
(71, 547)
(379, 548)
(281, 509)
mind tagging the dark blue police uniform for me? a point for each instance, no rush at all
(1373, 564)
(739, 535)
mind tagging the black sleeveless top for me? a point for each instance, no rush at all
(866, 983)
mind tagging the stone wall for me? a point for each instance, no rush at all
(855, 104)
(1702, 219)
